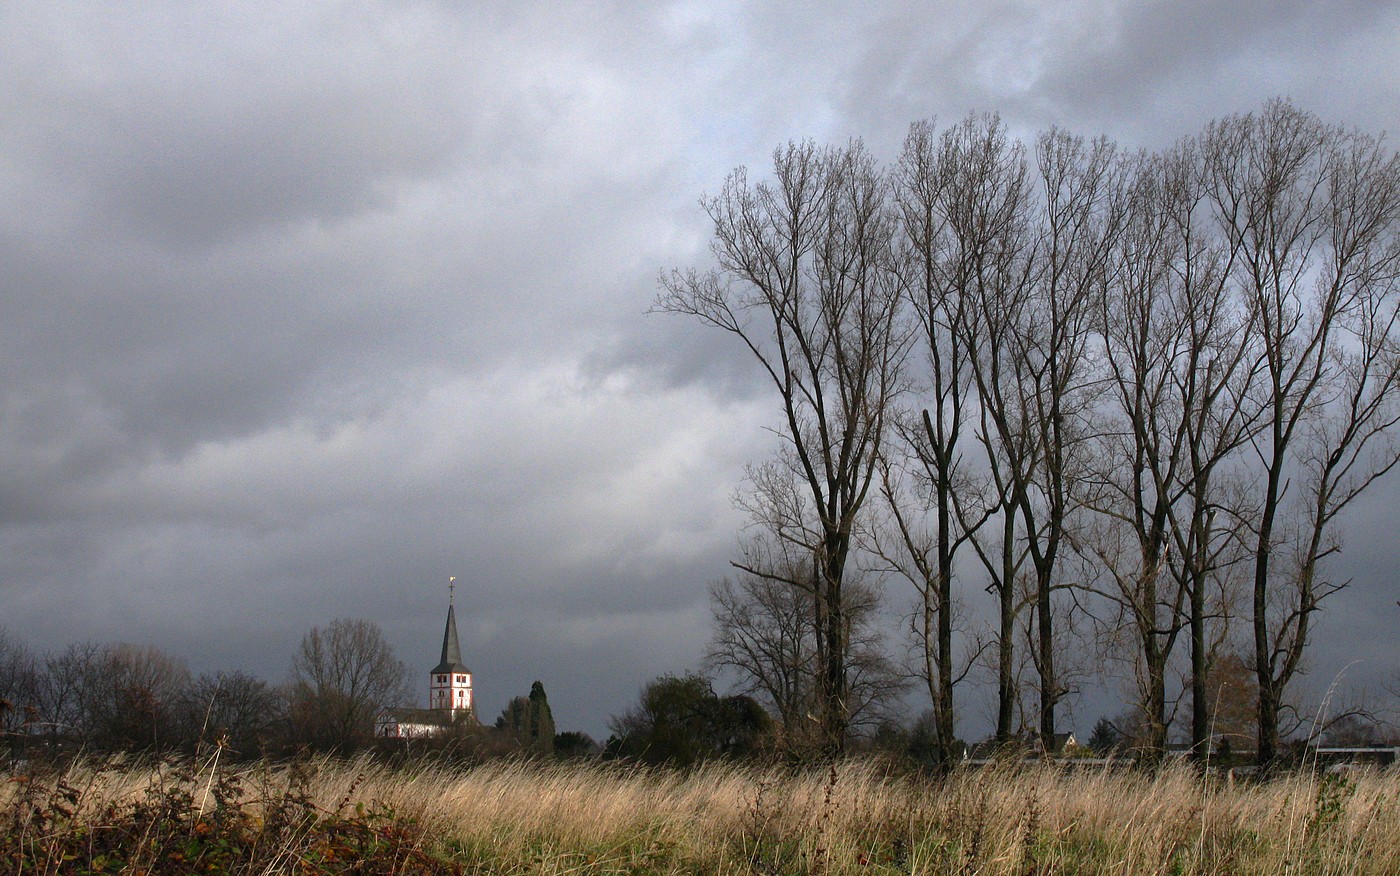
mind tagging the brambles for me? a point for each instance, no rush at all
(91, 819)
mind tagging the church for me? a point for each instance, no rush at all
(450, 701)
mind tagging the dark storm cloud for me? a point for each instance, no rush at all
(1143, 73)
(307, 308)
(1133, 66)
(246, 209)
(161, 123)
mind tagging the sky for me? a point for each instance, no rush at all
(307, 307)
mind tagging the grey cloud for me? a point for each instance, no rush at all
(163, 124)
(1143, 73)
(1174, 67)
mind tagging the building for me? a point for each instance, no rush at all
(1335, 756)
(1026, 747)
(450, 700)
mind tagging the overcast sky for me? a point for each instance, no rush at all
(307, 307)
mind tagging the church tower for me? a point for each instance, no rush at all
(450, 683)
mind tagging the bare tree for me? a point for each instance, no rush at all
(906, 547)
(1141, 449)
(1314, 211)
(232, 709)
(70, 692)
(765, 634)
(1175, 350)
(342, 676)
(946, 232)
(19, 692)
(1211, 384)
(1035, 376)
(139, 696)
(804, 283)
(969, 265)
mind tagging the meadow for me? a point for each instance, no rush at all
(365, 816)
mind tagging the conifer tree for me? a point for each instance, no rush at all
(541, 720)
(530, 720)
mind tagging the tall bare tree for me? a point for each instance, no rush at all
(1176, 364)
(1314, 211)
(804, 283)
(970, 255)
(1029, 332)
(1211, 385)
(957, 198)
(1140, 448)
(1082, 215)
(341, 676)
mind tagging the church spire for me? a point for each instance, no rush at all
(450, 682)
(451, 650)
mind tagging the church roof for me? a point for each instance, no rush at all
(451, 651)
(438, 717)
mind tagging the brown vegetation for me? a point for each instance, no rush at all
(855, 817)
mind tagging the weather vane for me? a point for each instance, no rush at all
(451, 587)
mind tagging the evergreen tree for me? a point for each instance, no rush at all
(530, 721)
(514, 717)
(541, 720)
(1105, 738)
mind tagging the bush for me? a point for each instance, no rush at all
(184, 822)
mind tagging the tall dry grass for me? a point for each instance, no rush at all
(518, 817)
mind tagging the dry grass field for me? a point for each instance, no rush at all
(577, 818)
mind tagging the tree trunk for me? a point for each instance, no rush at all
(1049, 692)
(1006, 639)
(835, 705)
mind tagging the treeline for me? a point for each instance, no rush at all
(90, 697)
(1129, 394)
(116, 697)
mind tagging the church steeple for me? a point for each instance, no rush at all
(450, 683)
(451, 649)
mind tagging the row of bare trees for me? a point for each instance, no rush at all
(121, 696)
(1131, 392)
(107, 697)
